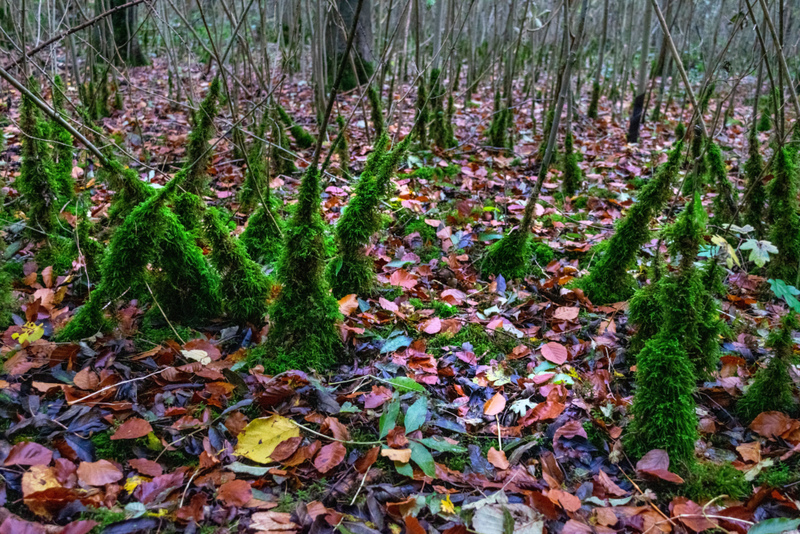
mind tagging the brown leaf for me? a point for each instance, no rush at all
(609, 485)
(146, 467)
(565, 313)
(495, 405)
(498, 459)
(397, 455)
(98, 473)
(691, 514)
(336, 429)
(329, 457)
(133, 428)
(567, 501)
(194, 510)
(236, 422)
(771, 424)
(413, 525)
(235, 493)
(348, 304)
(86, 379)
(28, 453)
(286, 449)
(751, 452)
(402, 278)
(656, 463)
(554, 352)
(273, 522)
(363, 464)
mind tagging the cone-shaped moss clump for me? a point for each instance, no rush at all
(725, 201)
(755, 209)
(376, 110)
(130, 191)
(510, 256)
(772, 389)
(352, 271)
(342, 145)
(62, 143)
(197, 150)
(441, 131)
(244, 287)
(262, 238)
(304, 316)
(133, 246)
(301, 136)
(680, 131)
(499, 133)
(187, 288)
(36, 181)
(8, 304)
(421, 119)
(610, 281)
(190, 208)
(785, 231)
(571, 181)
(663, 407)
(644, 309)
(256, 178)
(697, 177)
(281, 155)
(594, 101)
(764, 122)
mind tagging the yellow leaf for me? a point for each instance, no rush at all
(261, 436)
(30, 333)
(133, 482)
(447, 505)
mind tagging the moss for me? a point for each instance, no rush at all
(342, 145)
(696, 179)
(36, 182)
(609, 280)
(442, 309)
(426, 232)
(441, 130)
(62, 143)
(498, 134)
(509, 256)
(352, 271)
(421, 118)
(571, 180)
(104, 517)
(484, 345)
(706, 480)
(663, 409)
(376, 110)
(594, 101)
(764, 123)
(301, 136)
(256, 178)
(781, 474)
(262, 238)
(773, 388)
(645, 310)
(303, 333)
(189, 208)
(725, 201)
(783, 206)
(244, 287)
(186, 288)
(755, 207)
(107, 449)
(130, 191)
(8, 304)
(680, 131)
(281, 155)
(158, 335)
(197, 149)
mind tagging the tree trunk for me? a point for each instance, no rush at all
(336, 41)
(126, 40)
(641, 86)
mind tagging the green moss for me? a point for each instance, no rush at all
(256, 178)
(442, 309)
(571, 180)
(484, 344)
(594, 101)
(509, 256)
(725, 201)
(421, 119)
(441, 130)
(781, 474)
(773, 388)
(680, 131)
(130, 191)
(426, 232)
(262, 238)
(158, 335)
(301, 136)
(609, 280)
(107, 449)
(37, 182)
(498, 134)
(783, 206)
(352, 271)
(244, 287)
(303, 333)
(62, 145)
(663, 406)
(764, 123)
(706, 480)
(755, 206)
(197, 149)
(697, 178)
(189, 208)
(376, 110)
(103, 516)
(281, 155)
(645, 309)
(342, 147)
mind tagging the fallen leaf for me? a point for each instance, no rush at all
(495, 405)
(656, 463)
(235, 493)
(397, 455)
(98, 473)
(28, 453)
(133, 428)
(497, 459)
(348, 304)
(261, 436)
(771, 424)
(554, 352)
(329, 457)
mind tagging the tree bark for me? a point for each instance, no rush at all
(336, 42)
(125, 23)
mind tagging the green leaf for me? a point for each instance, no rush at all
(775, 526)
(388, 418)
(786, 292)
(759, 251)
(423, 458)
(404, 469)
(442, 445)
(405, 383)
(415, 416)
(396, 343)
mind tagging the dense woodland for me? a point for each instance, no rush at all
(399, 266)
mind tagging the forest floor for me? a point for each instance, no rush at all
(463, 404)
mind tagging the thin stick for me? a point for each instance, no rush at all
(164, 315)
(119, 384)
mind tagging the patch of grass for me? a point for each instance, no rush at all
(103, 516)
(117, 450)
(442, 309)
(706, 480)
(482, 342)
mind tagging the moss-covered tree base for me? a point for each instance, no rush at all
(262, 237)
(510, 256)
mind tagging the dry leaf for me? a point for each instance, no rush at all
(98, 473)
(498, 459)
(554, 352)
(397, 455)
(348, 304)
(495, 405)
(235, 493)
(329, 457)
(260, 438)
(133, 428)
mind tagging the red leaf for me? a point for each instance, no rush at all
(690, 514)
(133, 428)
(656, 463)
(413, 525)
(329, 457)
(98, 473)
(363, 464)
(235, 493)
(554, 352)
(431, 326)
(146, 467)
(29, 453)
(285, 449)
(402, 278)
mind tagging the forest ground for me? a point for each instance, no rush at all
(460, 400)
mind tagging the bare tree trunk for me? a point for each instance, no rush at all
(641, 87)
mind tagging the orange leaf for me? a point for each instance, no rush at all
(133, 428)
(98, 473)
(495, 405)
(365, 462)
(771, 424)
(329, 457)
(397, 455)
(348, 304)
(498, 459)
(566, 313)
(568, 502)
(402, 278)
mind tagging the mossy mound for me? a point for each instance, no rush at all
(62, 145)
(301, 136)
(571, 181)
(783, 205)
(755, 208)
(197, 149)
(262, 238)
(509, 256)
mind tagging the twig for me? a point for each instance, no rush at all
(119, 384)
(164, 314)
